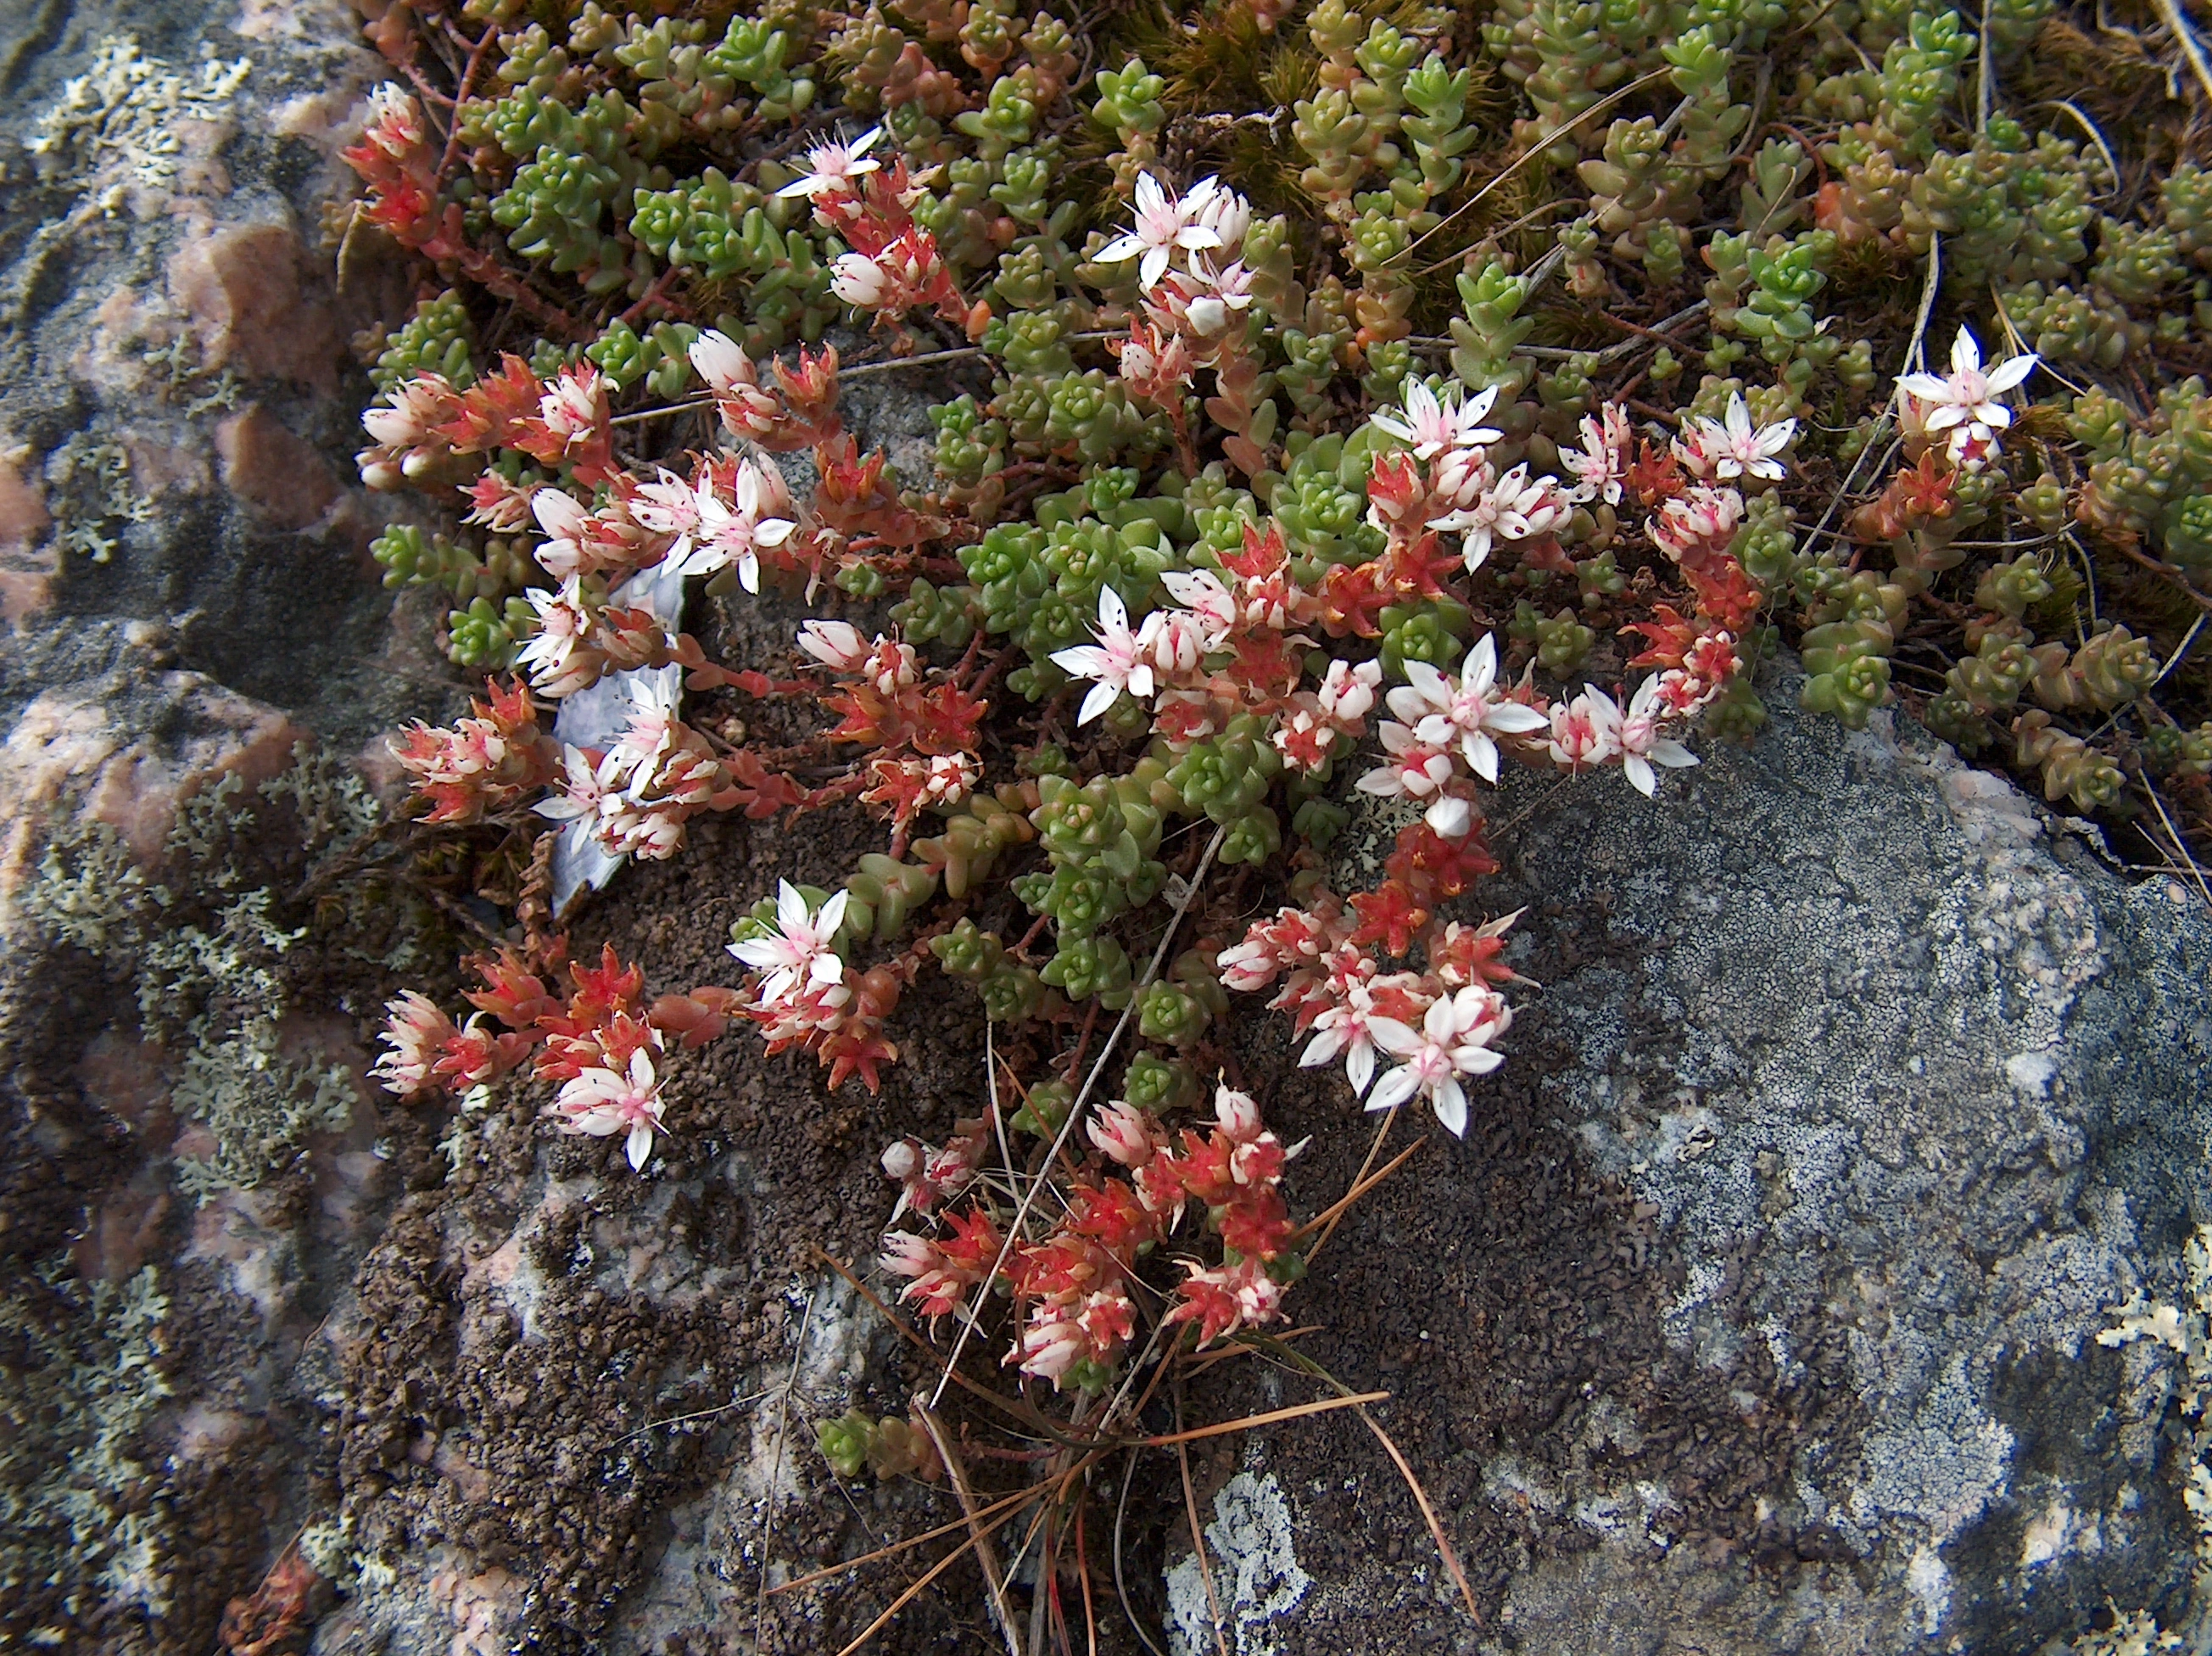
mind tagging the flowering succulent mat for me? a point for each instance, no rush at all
(1341, 407)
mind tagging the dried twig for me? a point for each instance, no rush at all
(986, 1554)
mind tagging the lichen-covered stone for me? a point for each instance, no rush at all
(1896, 1059)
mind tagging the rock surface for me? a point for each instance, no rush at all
(1907, 1078)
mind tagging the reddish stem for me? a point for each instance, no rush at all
(1083, 1041)
(461, 92)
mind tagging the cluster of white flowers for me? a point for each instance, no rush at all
(635, 796)
(805, 987)
(1964, 402)
(718, 521)
(602, 1102)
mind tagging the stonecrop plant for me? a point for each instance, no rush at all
(1332, 443)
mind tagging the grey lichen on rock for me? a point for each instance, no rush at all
(1895, 1055)
(205, 957)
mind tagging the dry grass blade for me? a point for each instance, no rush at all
(1599, 107)
(1346, 1397)
(775, 1471)
(1329, 1218)
(1120, 1586)
(1083, 1576)
(1428, 1512)
(1272, 1417)
(908, 1597)
(985, 1554)
(2180, 848)
(1004, 1504)
(2186, 37)
(1198, 1541)
(1089, 1080)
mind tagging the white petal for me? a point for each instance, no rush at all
(641, 1145)
(1514, 718)
(1324, 1046)
(1966, 354)
(1393, 1089)
(1120, 250)
(1392, 1036)
(1927, 387)
(832, 915)
(790, 906)
(1102, 696)
(2013, 370)
(1360, 1067)
(1481, 755)
(1113, 614)
(1450, 1105)
(1673, 753)
(1431, 686)
(1082, 662)
(1641, 776)
(1480, 671)
(1154, 267)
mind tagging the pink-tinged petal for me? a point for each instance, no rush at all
(1392, 1036)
